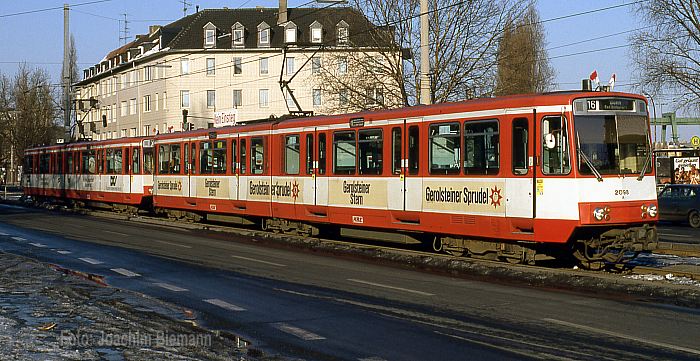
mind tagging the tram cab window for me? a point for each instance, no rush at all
(555, 146)
(344, 152)
(291, 154)
(445, 148)
(322, 153)
(396, 150)
(257, 156)
(243, 156)
(481, 140)
(135, 161)
(371, 145)
(413, 150)
(309, 154)
(148, 160)
(520, 146)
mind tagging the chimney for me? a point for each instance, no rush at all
(152, 29)
(282, 12)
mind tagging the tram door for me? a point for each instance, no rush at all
(412, 181)
(519, 184)
(320, 165)
(396, 190)
(190, 155)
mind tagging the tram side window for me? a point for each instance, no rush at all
(118, 164)
(291, 154)
(309, 154)
(413, 150)
(69, 163)
(100, 160)
(243, 156)
(520, 146)
(148, 160)
(257, 156)
(371, 145)
(206, 154)
(344, 152)
(175, 159)
(127, 161)
(163, 158)
(322, 153)
(219, 161)
(555, 146)
(444, 148)
(396, 150)
(481, 150)
(169, 159)
(44, 162)
(135, 161)
(88, 162)
(234, 156)
(193, 158)
(59, 163)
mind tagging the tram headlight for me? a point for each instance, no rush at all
(599, 214)
(653, 211)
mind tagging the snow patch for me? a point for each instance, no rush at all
(669, 277)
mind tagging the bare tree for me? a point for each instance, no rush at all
(27, 112)
(523, 63)
(464, 38)
(667, 53)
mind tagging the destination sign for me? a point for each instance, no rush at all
(610, 104)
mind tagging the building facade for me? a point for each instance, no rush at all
(224, 64)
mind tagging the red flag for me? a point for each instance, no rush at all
(594, 76)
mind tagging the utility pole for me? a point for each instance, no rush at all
(66, 74)
(185, 4)
(124, 33)
(425, 96)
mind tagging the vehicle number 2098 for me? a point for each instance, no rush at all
(622, 192)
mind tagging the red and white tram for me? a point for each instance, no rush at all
(503, 177)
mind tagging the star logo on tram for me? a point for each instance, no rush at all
(495, 197)
(295, 190)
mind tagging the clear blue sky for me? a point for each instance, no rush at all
(37, 38)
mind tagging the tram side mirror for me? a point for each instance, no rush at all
(550, 141)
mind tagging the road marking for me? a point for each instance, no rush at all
(373, 358)
(125, 272)
(117, 233)
(170, 287)
(90, 260)
(3, 234)
(174, 244)
(391, 287)
(619, 335)
(38, 245)
(224, 304)
(260, 261)
(19, 239)
(679, 235)
(63, 252)
(298, 332)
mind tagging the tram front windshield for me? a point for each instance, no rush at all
(613, 144)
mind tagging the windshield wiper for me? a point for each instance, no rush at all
(588, 161)
(646, 165)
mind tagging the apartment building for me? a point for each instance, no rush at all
(224, 65)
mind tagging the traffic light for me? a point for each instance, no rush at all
(104, 120)
(184, 120)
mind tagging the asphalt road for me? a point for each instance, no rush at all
(678, 233)
(325, 308)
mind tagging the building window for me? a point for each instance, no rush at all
(263, 98)
(124, 109)
(123, 84)
(184, 98)
(316, 65)
(113, 112)
(343, 65)
(132, 106)
(290, 66)
(238, 37)
(343, 34)
(211, 98)
(146, 130)
(237, 98)
(263, 66)
(148, 73)
(375, 96)
(343, 97)
(237, 66)
(263, 35)
(157, 101)
(209, 37)
(132, 132)
(290, 35)
(184, 66)
(317, 97)
(316, 35)
(165, 100)
(290, 99)
(122, 134)
(147, 103)
(211, 66)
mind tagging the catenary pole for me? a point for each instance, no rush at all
(66, 74)
(425, 96)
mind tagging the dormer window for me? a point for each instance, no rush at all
(263, 35)
(238, 33)
(290, 33)
(209, 35)
(343, 34)
(316, 32)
